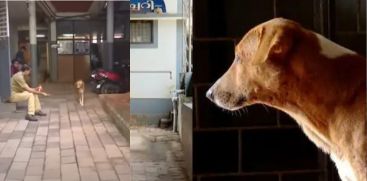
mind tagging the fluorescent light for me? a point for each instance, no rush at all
(40, 36)
(68, 35)
(118, 35)
(94, 41)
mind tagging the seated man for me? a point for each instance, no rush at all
(20, 91)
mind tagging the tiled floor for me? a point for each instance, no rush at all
(70, 143)
(156, 155)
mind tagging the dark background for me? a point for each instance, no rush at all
(262, 144)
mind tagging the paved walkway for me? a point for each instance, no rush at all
(156, 155)
(71, 143)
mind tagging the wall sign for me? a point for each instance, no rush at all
(147, 6)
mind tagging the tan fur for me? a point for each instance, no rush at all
(283, 65)
(79, 90)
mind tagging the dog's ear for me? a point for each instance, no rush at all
(276, 44)
(250, 43)
(280, 46)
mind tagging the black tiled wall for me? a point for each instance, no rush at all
(349, 24)
(217, 152)
(242, 178)
(231, 18)
(277, 150)
(215, 58)
(302, 177)
(300, 11)
(260, 144)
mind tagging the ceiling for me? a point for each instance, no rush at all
(71, 6)
(65, 9)
(18, 13)
(47, 10)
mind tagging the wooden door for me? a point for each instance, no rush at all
(66, 68)
(81, 67)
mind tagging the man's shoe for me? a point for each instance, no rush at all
(30, 117)
(40, 113)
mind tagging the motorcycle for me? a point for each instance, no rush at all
(111, 82)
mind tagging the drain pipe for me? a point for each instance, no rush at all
(175, 101)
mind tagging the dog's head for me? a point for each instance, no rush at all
(254, 76)
(79, 84)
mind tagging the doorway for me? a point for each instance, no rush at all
(74, 39)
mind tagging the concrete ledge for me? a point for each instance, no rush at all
(7, 107)
(118, 107)
(146, 120)
(186, 131)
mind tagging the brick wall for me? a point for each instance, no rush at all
(260, 144)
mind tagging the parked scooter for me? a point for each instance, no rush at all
(111, 82)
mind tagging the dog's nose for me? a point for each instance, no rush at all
(210, 95)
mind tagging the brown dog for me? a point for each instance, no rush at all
(79, 90)
(317, 82)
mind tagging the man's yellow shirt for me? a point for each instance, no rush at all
(18, 83)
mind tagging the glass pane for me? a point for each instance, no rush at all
(81, 47)
(141, 32)
(66, 47)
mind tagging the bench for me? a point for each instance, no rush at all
(7, 107)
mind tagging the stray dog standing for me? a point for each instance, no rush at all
(79, 90)
(317, 82)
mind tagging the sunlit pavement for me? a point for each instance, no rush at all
(70, 143)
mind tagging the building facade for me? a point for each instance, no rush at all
(157, 54)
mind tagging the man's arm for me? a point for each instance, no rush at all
(24, 85)
(33, 90)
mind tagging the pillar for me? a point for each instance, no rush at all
(53, 52)
(110, 32)
(4, 56)
(33, 41)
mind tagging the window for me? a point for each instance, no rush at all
(75, 37)
(81, 43)
(74, 43)
(81, 47)
(141, 32)
(66, 47)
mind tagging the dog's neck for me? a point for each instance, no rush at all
(335, 76)
(319, 93)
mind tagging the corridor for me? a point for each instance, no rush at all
(70, 143)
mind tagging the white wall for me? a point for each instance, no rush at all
(171, 6)
(162, 58)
